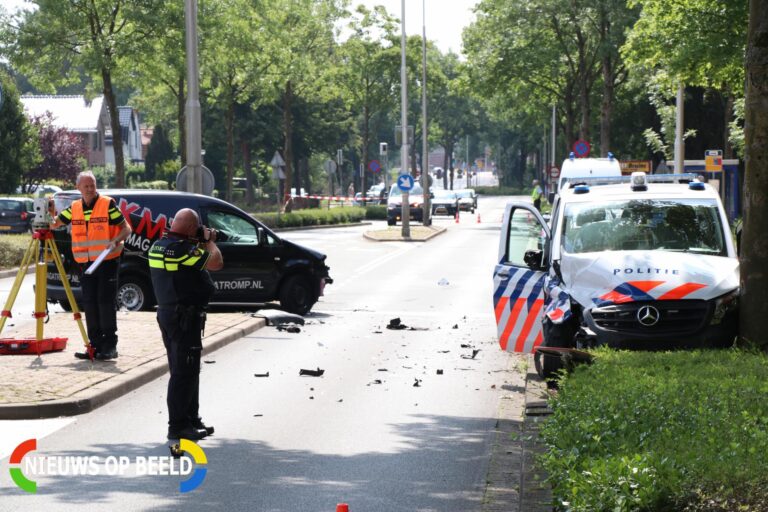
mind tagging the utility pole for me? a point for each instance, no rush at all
(405, 211)
(194, 138)
(427, 208)
(679, 119)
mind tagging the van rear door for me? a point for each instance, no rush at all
(518, 296)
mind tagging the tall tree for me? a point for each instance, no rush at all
(18, 149)
(754, 242)
(55, 42)
(160, 150)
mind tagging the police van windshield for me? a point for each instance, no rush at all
(645, 225)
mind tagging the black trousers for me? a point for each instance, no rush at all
(99, 291)
(183, 346)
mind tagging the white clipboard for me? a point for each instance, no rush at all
(90, 270)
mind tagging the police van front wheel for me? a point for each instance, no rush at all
(296, 295)
(133, 294)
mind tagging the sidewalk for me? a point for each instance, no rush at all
(57, 384)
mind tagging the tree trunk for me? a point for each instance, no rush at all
(230, 122)
(366, 143)
(753, 303)
(246, 150)
(181, 100)
(606, 109)
(114, 123)
(288, 143)
(446, 162)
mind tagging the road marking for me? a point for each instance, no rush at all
(374, 264)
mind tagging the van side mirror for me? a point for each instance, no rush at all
(533, 258)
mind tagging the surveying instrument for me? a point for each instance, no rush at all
(42, 250)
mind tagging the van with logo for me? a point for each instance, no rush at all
(259, 266)
(640, 262)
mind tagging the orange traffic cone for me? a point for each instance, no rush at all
(457, 216)
(342, 507)
(478, 218)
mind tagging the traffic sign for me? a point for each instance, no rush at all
(581, 148)
(554, 172)
(713, 160)
(277, 160)
(329, 166)
(405, 182)
(374, 166)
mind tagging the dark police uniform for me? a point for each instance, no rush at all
(100, 288)
(183, 288)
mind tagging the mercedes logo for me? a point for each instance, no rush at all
(648, 316)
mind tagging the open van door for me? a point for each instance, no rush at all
(518, 278)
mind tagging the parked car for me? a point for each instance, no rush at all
(377, 194)
(395, 203)
(640, 262)
(444, 202)
(16, 214)
(259, 266)
(467, 199)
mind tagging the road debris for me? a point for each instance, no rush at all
(439, 372)
(261, 374)
(396, 325)
(417, 383)
(466, 345)
(443, 282)
(312, 373)
(474, 354)
(291, 328)
(209, 362)
(455, 326)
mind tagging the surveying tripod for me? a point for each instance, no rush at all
(42, 249)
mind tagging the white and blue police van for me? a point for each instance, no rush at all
(638, 262)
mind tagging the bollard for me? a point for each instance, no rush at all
(342, 507)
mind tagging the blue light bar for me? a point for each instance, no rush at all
(592, 181)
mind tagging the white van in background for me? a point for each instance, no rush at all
(588, 168)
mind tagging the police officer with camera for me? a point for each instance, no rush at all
(179, 264)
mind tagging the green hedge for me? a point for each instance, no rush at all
(503, 191)
(313, 217)
(151, 185)
(12, 249)
(661, 432)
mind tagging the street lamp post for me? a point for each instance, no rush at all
(194, 138)
(405, 210)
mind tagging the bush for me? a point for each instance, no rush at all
(12, 249)
(151, 185)
(660, 431)
(312, 217)
(502, 191)
(376, 212)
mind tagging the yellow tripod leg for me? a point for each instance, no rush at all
(51, 245)
(25, 262)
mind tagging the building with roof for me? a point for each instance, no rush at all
(130, 136)
(87, 119)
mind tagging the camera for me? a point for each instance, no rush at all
(43, 217)
(205, 234)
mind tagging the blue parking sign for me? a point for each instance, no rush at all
(405, 182)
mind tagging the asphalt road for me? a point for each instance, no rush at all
(291, 443)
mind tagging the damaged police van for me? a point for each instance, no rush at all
(259, 266)
(644, 262)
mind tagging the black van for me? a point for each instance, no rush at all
(259, 266)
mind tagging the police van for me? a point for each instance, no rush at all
(573, 168)
(259, 266)
(645, 262)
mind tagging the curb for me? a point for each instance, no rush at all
(11, 272)
(438, 231)
(110, 389)
(536, 493)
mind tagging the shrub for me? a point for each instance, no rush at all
(502, 191)
(12, 249)
(376, 212)
(312, 217)
(151, 185)
(656, 431)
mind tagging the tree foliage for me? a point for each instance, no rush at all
(17, 147)
(61, 154)
(160, 150)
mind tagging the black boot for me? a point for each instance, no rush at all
(200, 425)
(191, 433)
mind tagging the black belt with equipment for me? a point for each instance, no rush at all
(187, 315)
